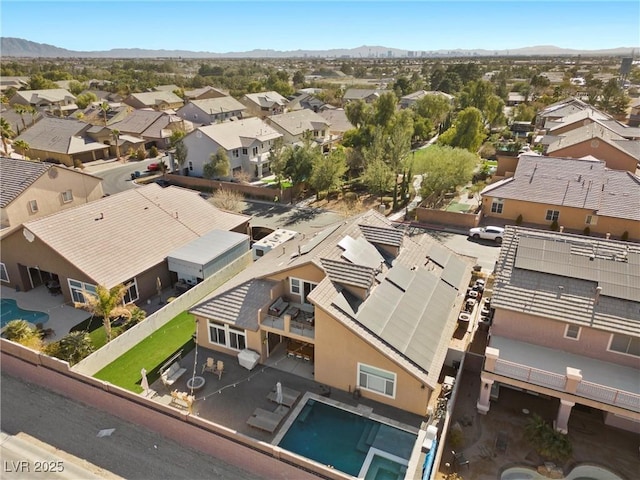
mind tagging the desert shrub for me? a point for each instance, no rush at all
(321, 196)
(351, 197)
(548, 442)
(387, 200)
(229, 200)
(153, 151)
(554, 226)
(519, 220)
(625, 236)
(141, 154)
(586, 231)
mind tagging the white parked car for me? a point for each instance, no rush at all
(487, 233)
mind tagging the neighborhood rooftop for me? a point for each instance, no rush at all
(17, 176)
(231, 135)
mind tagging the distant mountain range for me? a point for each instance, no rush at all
(18, 47)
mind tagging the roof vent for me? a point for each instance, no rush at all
(560, 290)
(597, 297)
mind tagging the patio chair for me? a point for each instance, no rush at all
(210, 366)
(502, 441)
(219, 369)
(459, 459)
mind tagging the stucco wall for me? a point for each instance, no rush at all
(614, 158)
(550, 333)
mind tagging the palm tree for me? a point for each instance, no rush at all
(115, 133)
(7, 132)
(73, 347)
(104, 107)
(20, 331)
(106, 303)
(22, 147)
(21, 110)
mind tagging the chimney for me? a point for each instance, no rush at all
(561, 228)
(597, 296)
(608, 236)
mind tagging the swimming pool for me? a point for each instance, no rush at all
(351, 443)
(9, 310)
(581, 472)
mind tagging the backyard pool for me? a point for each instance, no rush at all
(349, 442)
(581, 472)
(9, 310)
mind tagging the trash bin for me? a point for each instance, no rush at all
(133, 176)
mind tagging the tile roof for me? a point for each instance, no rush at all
(567, 290)
(572, 182)
(299, 121)
(213, 106)
(195, 93)
(594, 132)
(137, 121)
(50, 94)
(18, 175)
(338, 121)
(231, 135)
(411, 311)
(267, 99)
(362, 93)
(151, 99)
(138, 229)
(60, 135)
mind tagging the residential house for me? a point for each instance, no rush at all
(599, 142)
(212, 110)
(410, 100)
(247, 143)
(294, 125)
(560, 109)
(155, 128)
(338, 122)
(264, 104)
(95, 115)
(371, 309)
(63, 140)
(160, 100)
(304, 100)
(18, 122)
(559, 126)
(576, 193)
(30, 190)
(368, 95)
(166, 88)
(13, 82)
(204, 93)
(515, 98)
(634, 114)
(123, 238)
(566, 325)
(54, 100)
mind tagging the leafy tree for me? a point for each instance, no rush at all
(84, 99)
(467, 131)
(21, 146)
(219, 165)
(38, 82)
(300, 160)
(358, 113)
(71, 348)
(384, 108)
(76, 88)
(7, 132)
(524, 113)
(434, 108)
(21, 332)
(378, 177)
(106, 303)
(298, 78)
(277, 159)
(443, 169)
(176, 136)
(399, 145)
(481, 95)
(328, 172)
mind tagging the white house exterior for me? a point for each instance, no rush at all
(247, 142)
(212, 110)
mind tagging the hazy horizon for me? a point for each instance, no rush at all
(224, 26)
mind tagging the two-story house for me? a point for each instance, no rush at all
(372, 310)
(264, 104)
(566, 325)
(204, 93)
(160, 100)
(155, 128)
(54, 100)
(212, 110)
(294, 125)
(574, 192)
(247, 143)
(31, 189)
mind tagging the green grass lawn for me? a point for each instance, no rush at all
(458, 207)
(150, 353)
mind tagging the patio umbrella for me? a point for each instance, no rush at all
(279, 393)
(159, 288)
(144, 382)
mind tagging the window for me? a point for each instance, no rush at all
(236, 153)
(552, 215)
(376, 380)
(302, 288)
(295, 286)
(76, 288)
(259, 252)
(33, 206)
(245, 151)
(132, 291)
(591, 220)
(190, 165)
(497, 205)
(322, 133)
(316, 133)
(4, 276)
(255, 151)
(572, 332)
(67, 196)
(625, 344)
(227, 336)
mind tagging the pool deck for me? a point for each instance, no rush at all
(593, 442)
(62, 316)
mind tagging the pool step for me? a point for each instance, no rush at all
(368, 437)
(304, 413)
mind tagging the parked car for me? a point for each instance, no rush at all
(153, 167)
(487, 233)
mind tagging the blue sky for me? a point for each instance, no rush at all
(230, 26)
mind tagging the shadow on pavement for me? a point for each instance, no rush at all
(301, 215)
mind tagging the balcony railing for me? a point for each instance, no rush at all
(555, 381)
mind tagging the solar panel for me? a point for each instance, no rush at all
(320, 236)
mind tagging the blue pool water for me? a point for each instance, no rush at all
(334, 436)
(9, 310)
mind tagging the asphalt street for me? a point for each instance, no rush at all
(130, 451)
(116, 177)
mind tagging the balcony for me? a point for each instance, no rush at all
(581, 376)
(296, 321)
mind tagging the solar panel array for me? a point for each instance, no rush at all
(361, 252)
(382, 235)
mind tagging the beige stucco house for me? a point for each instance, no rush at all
(31, 190)
(123, 238)
(566, 325)
(53, 100)
(158, 100)
(212, 110)
(575, 192)
(294, 125)
(371, 309)
(264, 104)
